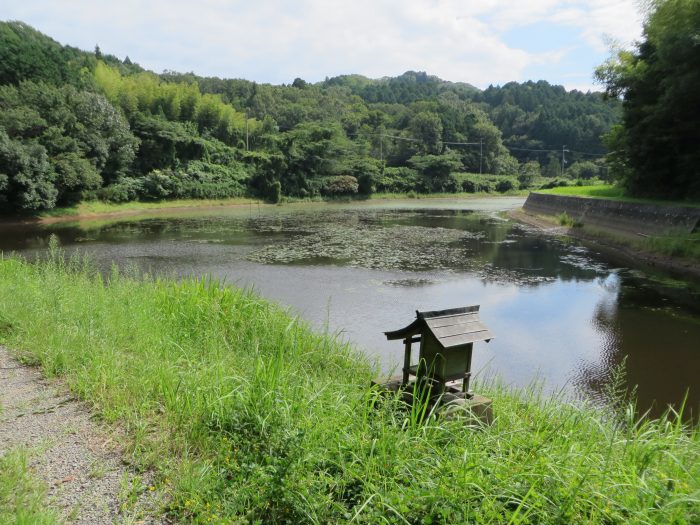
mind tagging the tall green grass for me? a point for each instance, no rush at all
(248, 416)
(680, 245)
(22, 496)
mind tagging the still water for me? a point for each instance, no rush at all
(562, 314)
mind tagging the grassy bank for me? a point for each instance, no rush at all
(458, 195)
(103, 208)
(98, 208)
(248, 416)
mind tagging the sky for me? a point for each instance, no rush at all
(481, 42)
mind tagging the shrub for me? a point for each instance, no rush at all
(505, 185)
(274, 192)
(339, 185)
(528, 173)
(365, 183)
(555, 183)
(477, 184)
(583, 170)
(124, 190)
(159, 184)
(398, 180)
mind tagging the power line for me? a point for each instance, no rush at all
(399, 138)
(510, 148)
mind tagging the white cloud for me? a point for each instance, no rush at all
(276, 41)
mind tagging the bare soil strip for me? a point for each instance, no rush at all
(79, 460)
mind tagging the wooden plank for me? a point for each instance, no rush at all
(448, 312)
(454, 319)
(409, 330)
(406, 360)
(456, 329)
(463, 339)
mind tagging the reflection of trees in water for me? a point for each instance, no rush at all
(543, 256)
(659, 349)
(33, 236)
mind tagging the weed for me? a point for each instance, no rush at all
(22, 497)
(130, 488)
(565, 219)
(98, 469)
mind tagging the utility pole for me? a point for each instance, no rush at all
(246, 130)
(481, 154)
(381, 148)
(563, 158)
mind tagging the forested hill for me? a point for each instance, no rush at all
(405, 89)
(78, 125)
(529, 115)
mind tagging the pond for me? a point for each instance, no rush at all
(562, 314)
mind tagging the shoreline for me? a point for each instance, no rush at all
(613, 246)
(164, 207)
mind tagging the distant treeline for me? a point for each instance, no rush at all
(80, 125)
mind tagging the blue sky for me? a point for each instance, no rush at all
(477, 41)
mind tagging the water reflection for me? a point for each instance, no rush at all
(657, 342)
(559, 312)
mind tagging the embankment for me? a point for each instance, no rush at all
(621, 230)
(618, 216)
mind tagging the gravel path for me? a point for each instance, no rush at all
(79, 460)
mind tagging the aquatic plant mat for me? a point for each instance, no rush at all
(391, 241)
(248, 416)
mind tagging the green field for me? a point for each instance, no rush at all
(248, 416)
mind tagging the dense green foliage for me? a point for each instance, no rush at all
(78, 125)
(655, 149)
(248, 416)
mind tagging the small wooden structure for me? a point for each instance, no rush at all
(446, 340)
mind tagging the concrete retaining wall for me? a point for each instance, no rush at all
(627, 217)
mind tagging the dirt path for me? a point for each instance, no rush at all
(79, 460)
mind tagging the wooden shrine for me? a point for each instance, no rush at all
(446, 339)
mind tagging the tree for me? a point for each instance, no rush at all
(584, 169)
(437, 169)
(26, 177)
(426, 127)
(300, 83)
(528, 173)
(553, 167)
(85, 140)
(657, 150)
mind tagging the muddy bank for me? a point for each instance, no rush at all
(617, 248)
